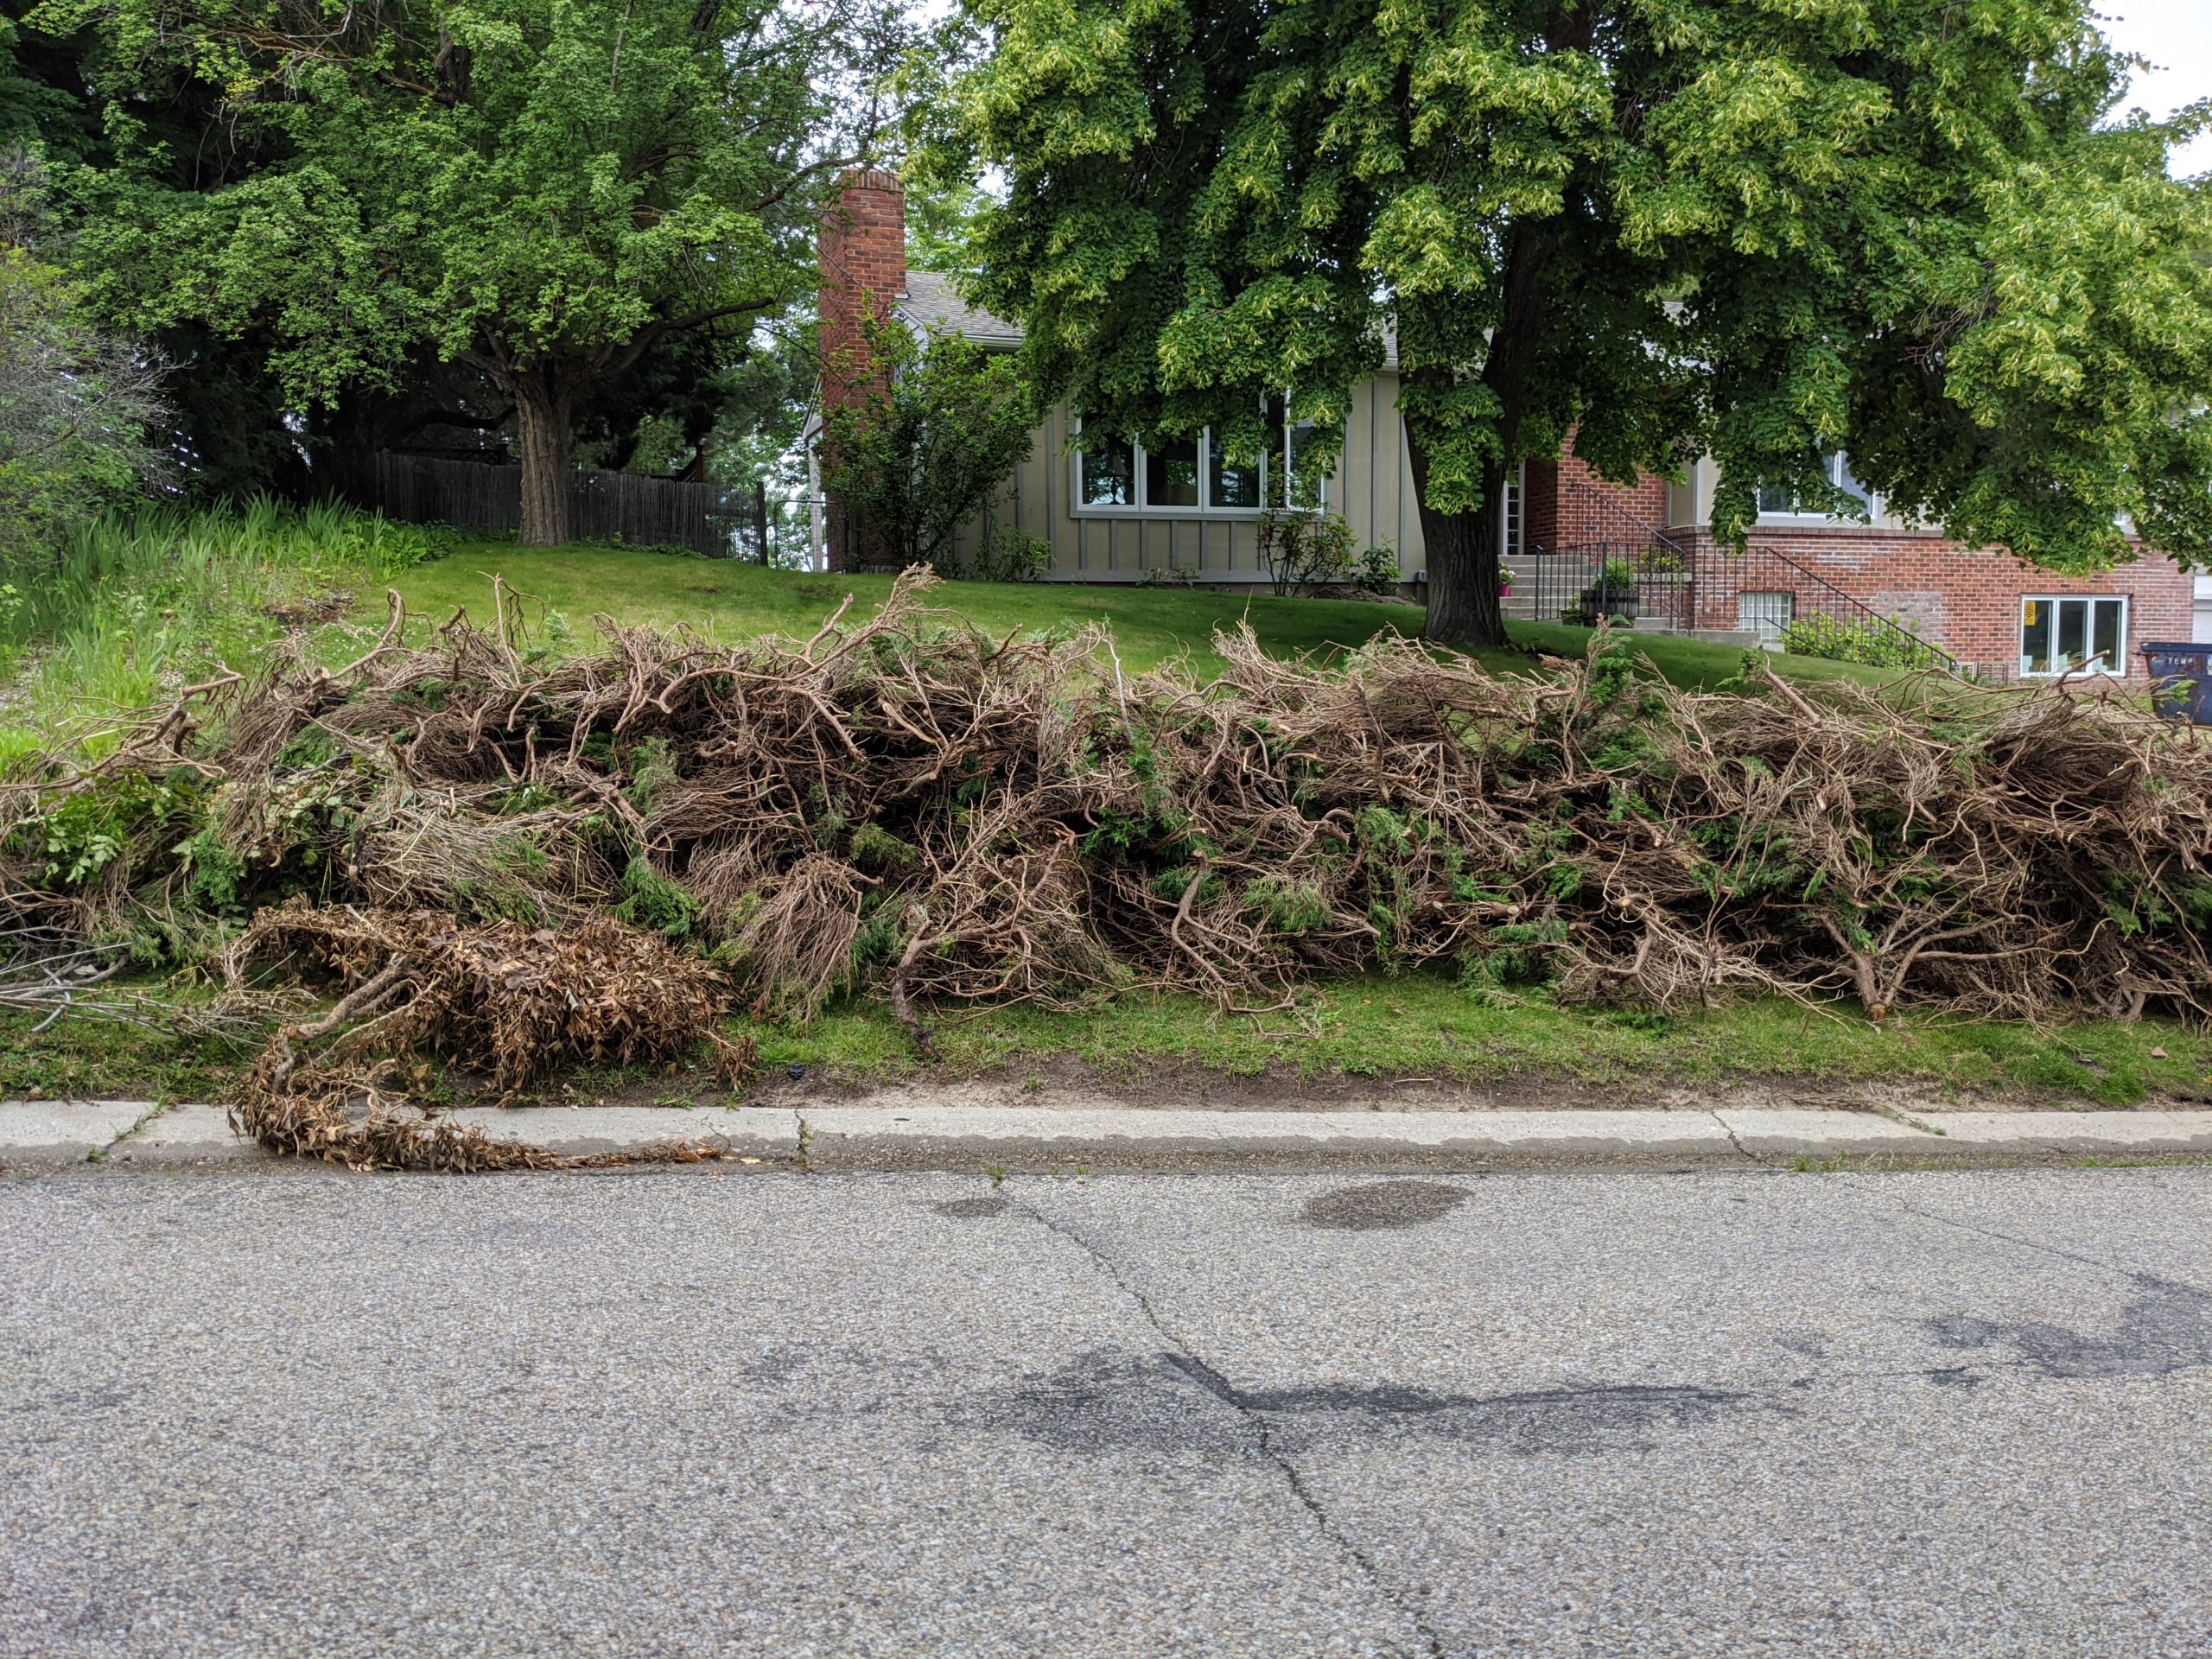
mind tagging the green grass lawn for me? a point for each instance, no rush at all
(1423, 1026)
(728, 602)
(1418, 1026)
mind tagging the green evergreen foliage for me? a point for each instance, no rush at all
(76, 400)
(550, 197)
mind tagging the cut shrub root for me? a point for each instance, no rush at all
(518, 999)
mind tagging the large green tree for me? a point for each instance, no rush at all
(1654, 227)
(545, 193)
(80, 407)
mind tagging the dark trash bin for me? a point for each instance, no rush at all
(2181, 679)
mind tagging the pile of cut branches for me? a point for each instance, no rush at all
(417, 983)
(908, 805)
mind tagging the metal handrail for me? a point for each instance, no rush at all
(1693, 559)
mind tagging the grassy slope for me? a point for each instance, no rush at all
(727, 601)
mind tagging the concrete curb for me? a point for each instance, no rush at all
(584, 1131)
(36, 1134)
(189, 1134)
(971, 1136)
(42, 1134)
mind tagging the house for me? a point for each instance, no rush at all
(1572, 544)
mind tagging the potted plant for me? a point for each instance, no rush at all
(1612, 594)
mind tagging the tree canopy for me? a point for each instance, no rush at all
(545, 193)
(76, 400)
(1649, 228)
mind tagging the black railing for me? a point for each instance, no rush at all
(1760, 589)
(1632, 572)
(1585, 581)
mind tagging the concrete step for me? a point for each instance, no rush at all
(1749, 639)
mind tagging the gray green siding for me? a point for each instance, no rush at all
(1372, 489)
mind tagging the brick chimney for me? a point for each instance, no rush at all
(863, 255)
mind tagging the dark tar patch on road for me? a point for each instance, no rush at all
(2168, 1328)
(1167, 1403)
(973, 1209)
(1383, 1203)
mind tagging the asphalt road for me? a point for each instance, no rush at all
(699, 1412)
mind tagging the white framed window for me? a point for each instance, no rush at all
(1287, 473)
(1194, 477)
(1835, 466)
(1509, 538)
(2073, 634)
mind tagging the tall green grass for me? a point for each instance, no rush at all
(133, 607)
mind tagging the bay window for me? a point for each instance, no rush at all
(1195, 476)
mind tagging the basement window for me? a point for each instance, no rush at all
(2085, 635)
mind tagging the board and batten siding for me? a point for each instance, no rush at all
(1372, 490)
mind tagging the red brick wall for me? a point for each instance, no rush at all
(1966, 601)
(863, 258)
(1585, 508)
(1540, 506)
(1568, 504)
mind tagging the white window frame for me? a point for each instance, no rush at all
(1830, 462)
(1513, 523)
(2115, 671)
(1204, 509)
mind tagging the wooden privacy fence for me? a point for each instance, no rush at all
(706, 518)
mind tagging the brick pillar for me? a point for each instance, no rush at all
(1540, 515)
(863, 255)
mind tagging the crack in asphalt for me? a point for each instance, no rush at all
(1183, 1359)
(1911, 1209)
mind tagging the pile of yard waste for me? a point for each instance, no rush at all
(907, 805)
(517, 1000)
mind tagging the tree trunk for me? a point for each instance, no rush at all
(1461, 549)
(543, 412)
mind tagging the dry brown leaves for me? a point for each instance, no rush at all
(516, 1000)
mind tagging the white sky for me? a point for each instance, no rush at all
(2176, 35)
